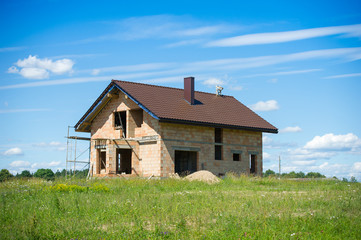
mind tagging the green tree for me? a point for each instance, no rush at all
(300, 175)
(46, 174)
(268, 173)
(314, 175)
(25, 174)
(5, 175)
(353, 179)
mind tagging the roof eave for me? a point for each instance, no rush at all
(84, 122)
(206, 124)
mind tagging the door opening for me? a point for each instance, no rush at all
(124, 161)
(102, 160)
(185, 162)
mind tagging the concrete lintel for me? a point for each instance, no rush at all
(181, 148)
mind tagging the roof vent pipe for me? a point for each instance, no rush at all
(219, 90)
(189, 90)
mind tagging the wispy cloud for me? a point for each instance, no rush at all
(11, 49)
(146, 71)
(291, 129)
(288, 36)
(282, 73)
(344, 76)
(262, 106)
(159, 27)
(13, 152)
(3, 111)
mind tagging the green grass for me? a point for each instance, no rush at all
(235, 208)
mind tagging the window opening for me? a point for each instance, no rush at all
(121, 122)
(236, 157)
(218, 139)
(253, 161)
(218, 152)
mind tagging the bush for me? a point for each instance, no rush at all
(314, 175)
(46, 174)
(269, 172)
(25, 174)
(5, 175)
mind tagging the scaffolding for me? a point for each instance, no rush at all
(72, 153)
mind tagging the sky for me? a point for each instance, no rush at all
(297, 64)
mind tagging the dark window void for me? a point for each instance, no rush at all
(120, 121)
(102, 159)
(218, 152)
(253, 162)
(124, 161)
(185, 162)
(236, 157)
(137, 116)
(218, 135)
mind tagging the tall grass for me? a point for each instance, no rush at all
(235, 208)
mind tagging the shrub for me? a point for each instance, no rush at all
(25, 174)
(314, 175)
(5, 175)
(46, 174)
(269, 172)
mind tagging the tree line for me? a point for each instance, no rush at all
(293, 174)
(43, 173)
(49, 175)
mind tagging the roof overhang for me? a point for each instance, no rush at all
(113, 90)
(206, 124)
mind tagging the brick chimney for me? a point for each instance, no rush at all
(189, 90)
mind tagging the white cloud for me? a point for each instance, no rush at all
(52, 145)
(17, 164)
(23, 110)
(344, 76)
(212, 82)
(95, 71)
(174, 69)
(266, 140)
(13, 69)
(183, 43)
(45, 164)
(10, 49)
(333, 142)
(36, 68)
(266, 156)
(206, 30)
(291, 129)
(56, 144)
(305, 154)
(288, 36)
(269, 105)
(303, 163)
(34, 73)
(13, 151)
(357, 167)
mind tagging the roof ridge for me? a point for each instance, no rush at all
(180, 89)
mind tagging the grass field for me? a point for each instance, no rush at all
(235, 208)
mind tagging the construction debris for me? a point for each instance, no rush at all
(204, 176)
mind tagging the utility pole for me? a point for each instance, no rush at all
(279, 166)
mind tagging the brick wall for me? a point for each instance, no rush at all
(157, 157)
(201, 139)
(145, 156)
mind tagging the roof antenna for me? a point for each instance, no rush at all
(219, 90)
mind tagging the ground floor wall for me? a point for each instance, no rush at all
(241, 152)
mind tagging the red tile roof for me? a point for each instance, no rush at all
(168, 105)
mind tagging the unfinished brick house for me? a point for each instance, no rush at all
(144, 130)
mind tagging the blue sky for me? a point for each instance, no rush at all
(297, 64)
